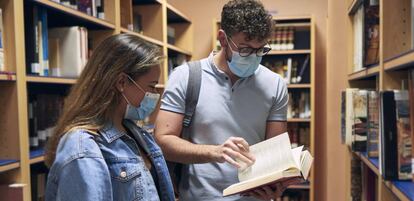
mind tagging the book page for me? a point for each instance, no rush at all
(272, 155)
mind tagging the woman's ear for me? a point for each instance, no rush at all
(121, 82)
(222, 37)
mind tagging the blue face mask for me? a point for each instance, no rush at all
(146, 107)
(243, 66)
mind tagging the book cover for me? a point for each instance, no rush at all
(360, 124)
(2, 52)
(358, 27)
(275, 161)
(403, 134)
(371, 33)
(32, 40)
(44, 39)
(388, 136)
(373, 123)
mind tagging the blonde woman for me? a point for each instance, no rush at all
(97, 151)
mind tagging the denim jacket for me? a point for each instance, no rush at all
(108, 167)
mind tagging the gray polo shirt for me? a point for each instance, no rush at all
(224, 110)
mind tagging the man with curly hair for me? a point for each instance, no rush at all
(241, 102)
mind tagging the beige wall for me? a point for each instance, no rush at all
(330, 162)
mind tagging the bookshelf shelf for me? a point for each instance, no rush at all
(75, 13)
(175, 16)
(37, 156)
(299, 120)
(399, 62)
(297, 25)
(6, 165)
(7, 77)
(178, 50)
(299, 86)
(149, 39)
(288, 52)
(50, 80)
(363, 74)
(404, 190)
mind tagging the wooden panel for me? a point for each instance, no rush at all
(178, 50)
(400, 61)
(98, 36)
(8, 77)
(398, 38)
(9, 127)
(393, 80)
(151, 20)
(174, 11)
(126, 13)
(39, 159)
(183, 36)
(110, 6)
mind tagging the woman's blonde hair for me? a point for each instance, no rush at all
(94, 98)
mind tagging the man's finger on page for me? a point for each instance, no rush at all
(262, 194)
(238, 155)
(243, 142)
(229, 160)
(268, 191)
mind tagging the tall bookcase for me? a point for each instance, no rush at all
(396, 57)
(16, 159)
(304, 46)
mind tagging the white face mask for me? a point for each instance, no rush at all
(146, 107)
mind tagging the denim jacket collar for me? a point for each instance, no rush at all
(110, 133)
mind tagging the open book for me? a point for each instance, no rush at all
(275, 161)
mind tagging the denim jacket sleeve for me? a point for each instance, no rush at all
(85, 178)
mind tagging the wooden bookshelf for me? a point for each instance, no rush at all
(174, 15)
(299, 187)
(14, 123)
(363, 74)
(75, 13)
(395, 58)
(7, 77)
(404, 60)
(178, 50)
(50, 80)
(8, 167)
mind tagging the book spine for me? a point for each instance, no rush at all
(411, 94)
(403, 134)
(2, 61)
(373, 123)
(389, 153)
(35, 65)
(45, 42)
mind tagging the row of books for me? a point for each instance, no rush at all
(299, 105)
(283, 38)
(292, 70)
(38, 185)
(136, 25)
(380, 123)
(170, 35)
(363, 181)
(294, 196)
(61, 52)
(91, 7)
(366, 35)
(299, 134)
(44, 111)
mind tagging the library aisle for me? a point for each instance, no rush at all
(348, 67)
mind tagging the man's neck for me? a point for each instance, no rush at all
(220, 60)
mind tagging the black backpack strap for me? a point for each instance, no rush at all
(193, 91)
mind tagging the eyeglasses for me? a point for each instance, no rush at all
(247, 51)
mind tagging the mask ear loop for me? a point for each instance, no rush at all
(136, 84)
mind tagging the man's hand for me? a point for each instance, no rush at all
(273, 191)
(234, 151)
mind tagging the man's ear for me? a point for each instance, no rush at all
(222, 37)
(121, 82)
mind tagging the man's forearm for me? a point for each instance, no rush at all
(182, 151)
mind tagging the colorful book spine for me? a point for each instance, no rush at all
(373, 123)
(360, 126)
(403, 134)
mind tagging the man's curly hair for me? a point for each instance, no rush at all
(248, 17)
